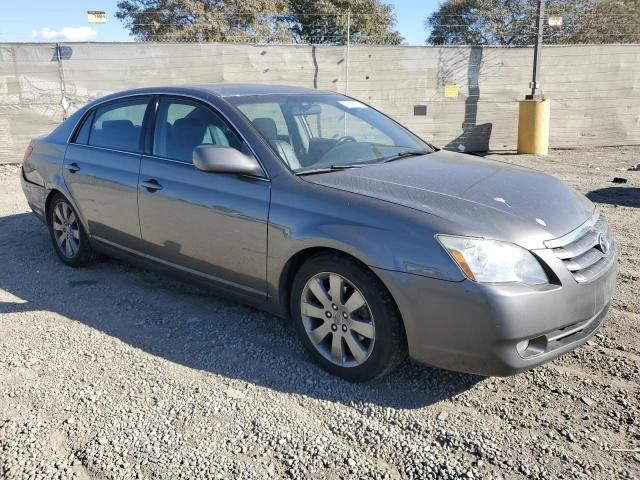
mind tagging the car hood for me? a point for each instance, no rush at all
(480, 197)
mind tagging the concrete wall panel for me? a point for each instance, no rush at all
(595, 90)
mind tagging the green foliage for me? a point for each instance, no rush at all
(325, 21)
(203, 20)
(512, 22)
(259, 21)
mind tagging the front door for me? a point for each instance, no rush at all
(101, 170)
(210, 224)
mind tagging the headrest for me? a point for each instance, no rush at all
(267, 127)
(119, 125)
(188, 130)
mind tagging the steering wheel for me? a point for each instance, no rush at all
(345, 139)
(328, 157)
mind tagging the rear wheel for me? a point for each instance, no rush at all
(346, 318)
(67, 234)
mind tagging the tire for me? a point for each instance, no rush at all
(357, 343)
(68, 236)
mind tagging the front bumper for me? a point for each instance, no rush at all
(483, 329)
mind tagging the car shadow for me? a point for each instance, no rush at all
(186, 324)
(621, 196)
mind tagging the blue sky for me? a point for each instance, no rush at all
(51, 20)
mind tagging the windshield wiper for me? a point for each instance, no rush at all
(390, 158)
(405, 154)
(332, 168)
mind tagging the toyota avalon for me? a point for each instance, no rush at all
(319, 208)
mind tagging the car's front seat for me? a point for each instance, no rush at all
(187, 134)
(267, 127)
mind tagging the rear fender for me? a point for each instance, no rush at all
(58, 186)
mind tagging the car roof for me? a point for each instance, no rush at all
(224, 90)
(241, 89)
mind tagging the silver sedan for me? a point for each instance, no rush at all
(317, 207)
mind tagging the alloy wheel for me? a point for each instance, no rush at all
(337, 319)
(66, 230)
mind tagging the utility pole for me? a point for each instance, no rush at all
(346, 76)
(537, 51)
(346, 81)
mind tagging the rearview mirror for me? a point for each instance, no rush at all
(222, 159)
(305, 109)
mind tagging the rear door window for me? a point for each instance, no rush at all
(119, 125)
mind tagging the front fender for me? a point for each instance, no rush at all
(380, 234)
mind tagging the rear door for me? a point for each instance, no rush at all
(101, 170)
(210, 224)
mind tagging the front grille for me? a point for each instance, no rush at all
(588, 251)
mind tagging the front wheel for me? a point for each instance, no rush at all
(67, 234)
(346, 318)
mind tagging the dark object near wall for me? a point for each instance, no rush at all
(420, 110)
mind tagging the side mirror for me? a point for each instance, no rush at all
(221, 159)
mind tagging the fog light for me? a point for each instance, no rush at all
(532, 347)
(522, 346)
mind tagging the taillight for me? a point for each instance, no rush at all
(27, 153)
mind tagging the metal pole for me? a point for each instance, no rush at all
(346, 83)
(537, 51)
(346, 80)
(63, 90)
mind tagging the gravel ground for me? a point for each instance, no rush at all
(113, 371)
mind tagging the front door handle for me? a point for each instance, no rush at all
(151, 185)
(72, 167)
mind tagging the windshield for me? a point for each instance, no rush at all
(312, 132)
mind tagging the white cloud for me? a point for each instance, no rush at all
(68, 34)
(46, 34)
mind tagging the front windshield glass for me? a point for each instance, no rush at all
(310, 132)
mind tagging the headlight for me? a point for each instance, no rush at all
(492, 261)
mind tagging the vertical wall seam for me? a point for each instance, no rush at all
(63, 93)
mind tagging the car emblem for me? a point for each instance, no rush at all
(603, 243)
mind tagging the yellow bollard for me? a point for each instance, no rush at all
(533, 126)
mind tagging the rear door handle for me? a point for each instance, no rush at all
(72, 167)
(151, 185)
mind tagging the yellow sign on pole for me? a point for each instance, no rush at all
(555, 21)
(451, 90)
(94, 16)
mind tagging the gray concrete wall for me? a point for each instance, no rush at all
(595, 90)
